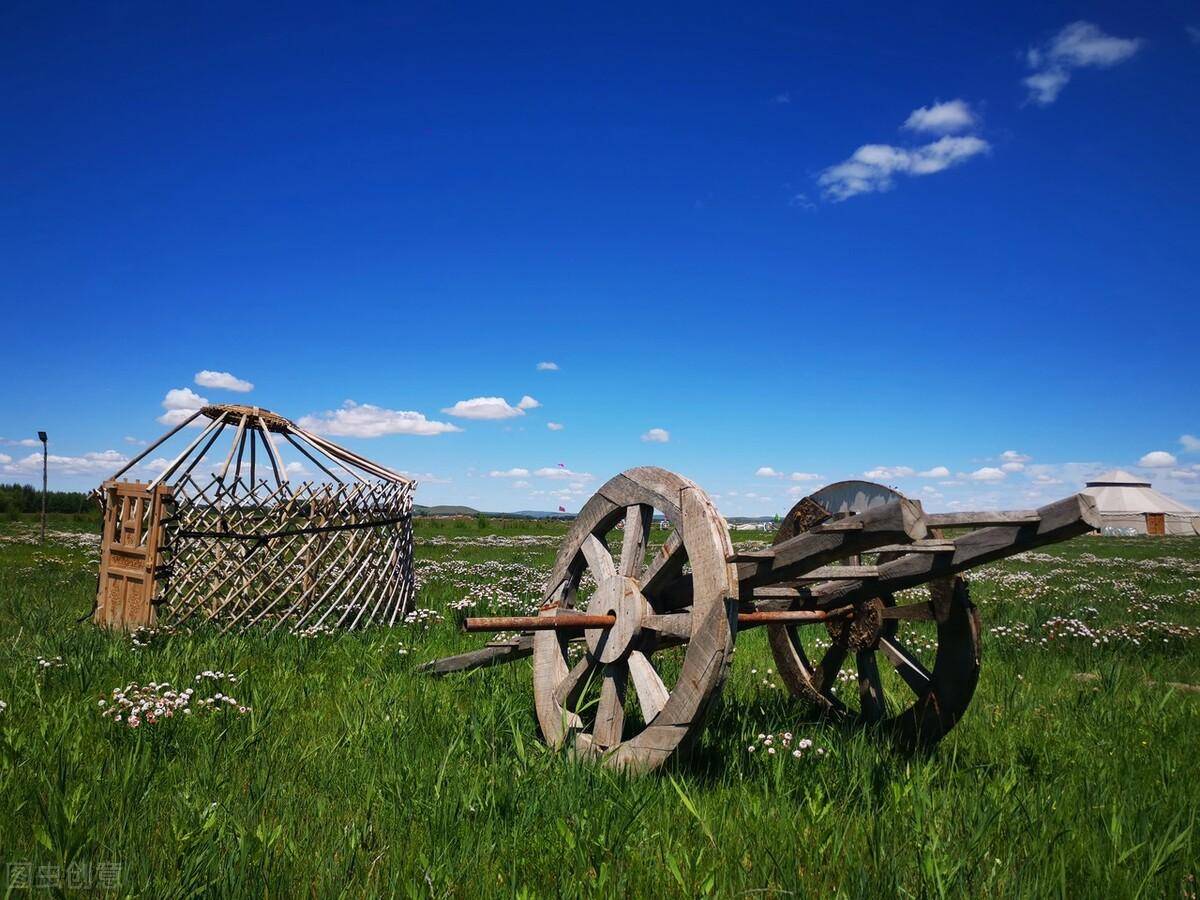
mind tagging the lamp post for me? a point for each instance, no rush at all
(42, 438)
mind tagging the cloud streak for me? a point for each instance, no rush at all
(873, 168)
(1079, 45)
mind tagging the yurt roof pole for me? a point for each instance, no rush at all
(166, 473)
(170, 434)
(295, 443)
(199, 456)
(237, 442)
(241, 448)
(342, 453)
(276, 459)
(253, 462)
(337, 461)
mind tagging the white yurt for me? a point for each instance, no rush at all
(1129, 506)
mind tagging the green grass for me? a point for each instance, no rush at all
(353, 774)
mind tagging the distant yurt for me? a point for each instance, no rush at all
(228, 538)
(1130, 506)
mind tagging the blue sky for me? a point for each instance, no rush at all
(823, 242)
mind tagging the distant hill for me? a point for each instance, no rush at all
(444, 511)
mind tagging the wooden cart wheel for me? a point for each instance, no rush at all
(925, 698)
(638, 728)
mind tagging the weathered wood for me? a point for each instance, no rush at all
(900, 520)
(701, 540)
(1057, 521)
(666, 566)
(633, 542)
(651, 692)
(983, 519)
(475, 659)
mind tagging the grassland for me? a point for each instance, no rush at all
(1075, 772)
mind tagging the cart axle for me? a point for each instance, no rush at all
(567, 621)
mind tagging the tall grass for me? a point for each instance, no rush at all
(353, 774)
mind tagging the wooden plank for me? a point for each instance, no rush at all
(475, 659)
(899, 520)
(919, 547)
(982, 519)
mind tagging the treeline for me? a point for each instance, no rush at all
(24, 498)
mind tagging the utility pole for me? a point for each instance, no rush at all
(42, 438)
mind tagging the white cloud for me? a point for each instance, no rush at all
(987, 473)
(555, 426)
(1079, 45)
(130, 439)
(179, 404)
(223, 380)
(942, 118)
(804, 476)
(1190, 443)
(1013, 466)
(889, 472)
(935, 472)
(509, 473)
(1158, 459)
(1186, 474)
(528, 402)
(23, 442)
(5, 458)
(873, 167)
(520, 484)
(368, 421)
(767, 472)
(657, 436)
(547, 367)
(103, 463)
(1014, 456)
(1046, 479)
(562, 473)
(488, 408)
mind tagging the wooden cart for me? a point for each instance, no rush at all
(695, 593)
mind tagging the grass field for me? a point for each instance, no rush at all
(340, 770)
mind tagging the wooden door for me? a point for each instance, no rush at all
(129, 547)
(1156, 523)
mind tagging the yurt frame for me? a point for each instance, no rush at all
(237, 550)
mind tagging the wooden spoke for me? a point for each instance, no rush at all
(675, 625)
(907, 666)
(870, 687)
(571, 688)
(652, 694)
(826, 673)
(633, 544)
(666, 566)
(599, 560)
(610, 714)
